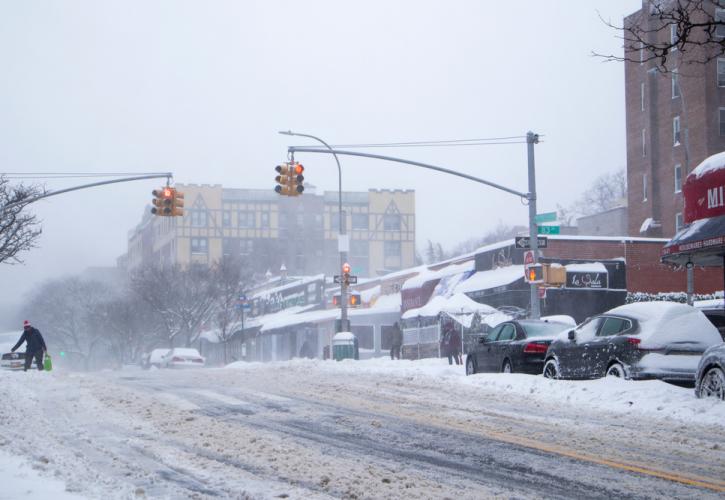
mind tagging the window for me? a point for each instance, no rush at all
(246, 219)
(264, 219)
(644, 144)
(675, 84)
(644, 187)
(283, 220)
(676, 131)
(588, 330)
(226, 218)
(359, 221)
(721, 72)
(673, 37)
(359, 248)
(720, 28)
(493, 333)
(679, 221)
(318, 221)
(198, 218)
(391, 248)
(391, 222)
(199, 245)
(613, 326)
(641, 95)
(334, 222)
(508, 332)
(246, 247)
(722, 121)
(678, 178)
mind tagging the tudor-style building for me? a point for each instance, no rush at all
(272, 230)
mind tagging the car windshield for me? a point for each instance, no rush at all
(543, 329)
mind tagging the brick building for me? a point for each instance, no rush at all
(674, 121)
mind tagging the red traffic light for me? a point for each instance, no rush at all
(299, 169)
(346, 268)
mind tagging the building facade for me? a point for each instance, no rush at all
(675, 120)
(272, 230)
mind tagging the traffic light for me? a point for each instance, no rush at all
(163, 201)
(290, 179)
(534, 273)
(177, 203)
(353, 300)
(346, 274)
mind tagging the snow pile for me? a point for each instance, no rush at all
(21, 479)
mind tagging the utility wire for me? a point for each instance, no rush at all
(486, 141)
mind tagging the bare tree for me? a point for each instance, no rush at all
(19, 230)
(182, 298)
(665, 27)
(232, 277)
(64, 311)
(606, 192)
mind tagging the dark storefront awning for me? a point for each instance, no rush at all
(702, 243)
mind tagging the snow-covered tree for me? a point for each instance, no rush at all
(232, 278)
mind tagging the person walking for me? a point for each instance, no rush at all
(446, 346)
(455, 345)
(396, 341)
(35, 345)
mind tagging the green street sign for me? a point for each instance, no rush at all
(547, 217)
(549, 229)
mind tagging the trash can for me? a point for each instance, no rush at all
(343, 346)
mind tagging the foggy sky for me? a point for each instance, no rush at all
(201, 89)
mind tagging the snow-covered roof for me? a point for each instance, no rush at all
(485, 280)
(458, 304)
(429, 275)
(295, 282)
(586, 267)
(709, 164)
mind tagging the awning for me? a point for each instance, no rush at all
(702, 243)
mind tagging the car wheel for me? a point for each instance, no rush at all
(616, 370)
(713, 384)
(506, 368)
(551, 369)
(470, 366)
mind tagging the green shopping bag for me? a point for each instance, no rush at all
(48, 364)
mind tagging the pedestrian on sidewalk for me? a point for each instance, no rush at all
(455, 345)
(35, 345)
(396, 336)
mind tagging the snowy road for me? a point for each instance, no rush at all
(307, 429)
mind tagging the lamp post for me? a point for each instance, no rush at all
(342, 243)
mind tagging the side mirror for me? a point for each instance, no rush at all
(572, 335)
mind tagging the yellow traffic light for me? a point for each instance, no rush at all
(289, 179)
(297, 186)
(177, 203)
(163, 200)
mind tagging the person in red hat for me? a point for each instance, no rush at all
(35, 345)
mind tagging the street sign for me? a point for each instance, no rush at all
(549, 229)
(338, 279)
(528, 257)
(545, 217)
(522, 242)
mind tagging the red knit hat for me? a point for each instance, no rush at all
(26, 323)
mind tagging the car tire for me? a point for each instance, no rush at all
(551, 369)
(616, 370)
(506, 367)
(470, 366)
(712, 384)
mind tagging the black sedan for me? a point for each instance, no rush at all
(514, 346)
(710, 380)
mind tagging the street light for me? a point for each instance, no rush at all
(342, 243)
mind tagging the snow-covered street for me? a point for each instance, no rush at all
(371, 429)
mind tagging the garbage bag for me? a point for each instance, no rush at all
(48, 364)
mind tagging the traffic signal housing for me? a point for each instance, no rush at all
(289, 179)
(177, 203)
(534, 273)
(353, 300)
(346, 274)
(163, 202)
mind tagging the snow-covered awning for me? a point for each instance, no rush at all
(486, 280)
(702, 243)
(458, 306)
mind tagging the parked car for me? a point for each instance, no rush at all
(514, 346)
(153, 358)
(13, 361)
(714, 310)
(710, 378)
(182, 357)
(646, 340)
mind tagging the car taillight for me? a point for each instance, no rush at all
(177, 359)
(198, 360)
(634, 341)
(535, 348)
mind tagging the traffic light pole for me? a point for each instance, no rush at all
(530, 197)
(341, 240)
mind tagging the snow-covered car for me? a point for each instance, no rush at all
(13, 361)
(710, 379)
(714, 310)
(182, 357)
(514, 346)
(646, 340)
(153, 358)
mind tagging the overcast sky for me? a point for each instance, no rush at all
(201, 89)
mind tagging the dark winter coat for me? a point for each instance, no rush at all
(397, 336)
(446, 343)
(34, 339)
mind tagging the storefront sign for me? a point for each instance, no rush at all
(587, 280)
(704, 196)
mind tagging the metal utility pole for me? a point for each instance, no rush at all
(342, 241)
(532, 139)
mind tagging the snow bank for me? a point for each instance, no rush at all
(650, 399)
(20, 479)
